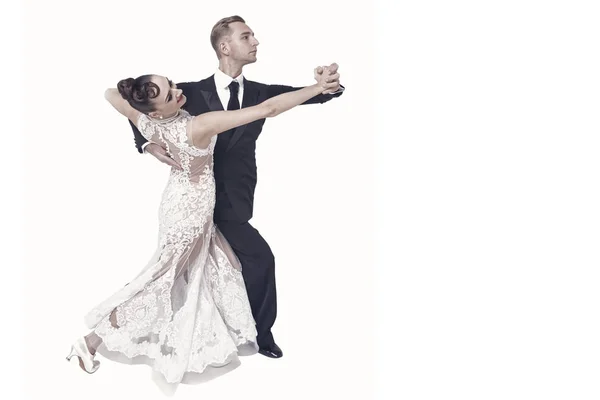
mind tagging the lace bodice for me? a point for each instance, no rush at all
(175, 136)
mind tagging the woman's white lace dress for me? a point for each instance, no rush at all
(188, 308)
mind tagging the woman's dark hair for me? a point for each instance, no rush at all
(138, 92)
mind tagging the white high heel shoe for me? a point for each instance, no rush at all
(86, 359)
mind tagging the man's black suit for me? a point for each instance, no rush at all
(235, 176)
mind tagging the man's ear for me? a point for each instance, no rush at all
(224, 48)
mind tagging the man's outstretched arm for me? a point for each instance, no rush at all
(334, 89)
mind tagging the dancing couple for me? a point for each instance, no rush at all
(209, 289)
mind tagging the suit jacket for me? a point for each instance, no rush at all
(234, 156)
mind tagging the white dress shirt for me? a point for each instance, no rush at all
(222, 82)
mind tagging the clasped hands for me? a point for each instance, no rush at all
(331, 77)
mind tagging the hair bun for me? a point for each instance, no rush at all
(125, 88)
(148, 90)
(139, 92)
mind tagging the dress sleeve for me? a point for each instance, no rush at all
(146, 127)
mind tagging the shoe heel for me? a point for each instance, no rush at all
(72, 353)
(86, 359)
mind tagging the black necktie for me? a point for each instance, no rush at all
(234, 102)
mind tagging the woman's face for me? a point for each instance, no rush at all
(169, 100)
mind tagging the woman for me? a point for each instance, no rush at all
(188, 308)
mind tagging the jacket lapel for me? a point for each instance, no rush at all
(249, 99)
(212, 99)
(209, 92)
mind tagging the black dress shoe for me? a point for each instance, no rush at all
(272, 351)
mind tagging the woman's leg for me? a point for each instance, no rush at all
(94, 341)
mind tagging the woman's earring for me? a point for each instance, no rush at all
(160, 117)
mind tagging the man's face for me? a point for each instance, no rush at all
(242, 43)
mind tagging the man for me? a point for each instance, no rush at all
(235, 162)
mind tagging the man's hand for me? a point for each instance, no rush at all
(333, 80)
(161, 155)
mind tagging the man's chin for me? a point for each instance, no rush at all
(249, 61)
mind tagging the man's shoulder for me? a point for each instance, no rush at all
(253, 83)
(204, 83)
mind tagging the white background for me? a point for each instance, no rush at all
(463, 209)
